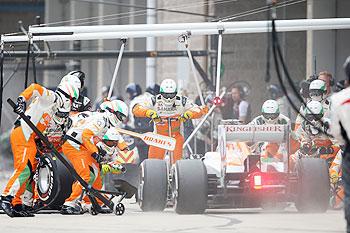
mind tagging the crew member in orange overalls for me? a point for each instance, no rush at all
(82, 152)
(54, 133)
(313, 141)
(44, 106)
(117, 153)
(270, 115)
(337, 200)
(168, 106)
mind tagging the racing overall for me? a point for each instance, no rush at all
(81, 104)
(335, 172)
(180, 106)
(78, 149)
(340, 129)
(326, 105)
(22, 139)
(270, 150)
(304, 137)
(140, 124)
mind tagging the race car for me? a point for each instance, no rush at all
(239, 177)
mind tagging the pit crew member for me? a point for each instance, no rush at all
(43, 106)
(312, 135)
(340, 129)
(81, 150)
(270, 114)
(163, 107)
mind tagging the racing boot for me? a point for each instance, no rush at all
(38, 205)
(20, 211)
(6, 205)
(105, 210)
(69, 210)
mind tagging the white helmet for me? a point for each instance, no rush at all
(314, 111)
(270, 111)
(168, 90)
(66, 94)
(317, 90)
(73, 80)
(76, 77)
(116, 111)
(110, 140)
(314, 114)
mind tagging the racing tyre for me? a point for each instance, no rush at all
(190, 187)
(152, 190)
(54, 182)
(313, 191)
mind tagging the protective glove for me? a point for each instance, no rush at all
(322, 150)
(325, 150)
(101, 151)
(112, 168)
(334, 178)
(306, 147)
(97, 157)
(153, 115)
(186, 116)
(20, 105)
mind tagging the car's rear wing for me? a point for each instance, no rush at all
(254, 133)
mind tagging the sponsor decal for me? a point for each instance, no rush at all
(157, 140)
(254, 128)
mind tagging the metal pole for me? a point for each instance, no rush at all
(1, 74)
(101, 80)
(106, 54)
(306, 23)
(151, 43)
(26, 75)
(160, 33)
(116, 68)
(218, 64)
(201, 123)
(194, 71)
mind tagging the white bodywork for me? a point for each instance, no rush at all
(232, 149)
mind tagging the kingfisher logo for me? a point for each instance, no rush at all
(256, 128)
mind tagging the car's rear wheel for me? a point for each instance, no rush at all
(152, 190)
(190, 187)
(313, 190)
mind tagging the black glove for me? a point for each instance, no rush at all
(325, 150)
(97, 157)
(306, 148)
(322, 150)
(101, 152)
(20, 105)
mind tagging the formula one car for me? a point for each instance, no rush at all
(241, 178)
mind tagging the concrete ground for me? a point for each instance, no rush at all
(227, 220)
(223, 220)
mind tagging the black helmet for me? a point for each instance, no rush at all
(347, 67)
(340, 85)
(153, 89)
(133, 89)
(274, 91)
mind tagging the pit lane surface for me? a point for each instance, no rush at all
(223, 220)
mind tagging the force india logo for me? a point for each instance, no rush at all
(256, 128)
